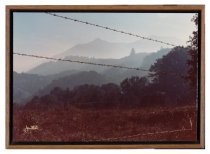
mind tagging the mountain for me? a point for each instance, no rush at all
(26, 85)
(152, 57)
(71, 81)
(141, 60)
(99, 48)
(70, 75)
(133, 60)
(92, 51)
(53, 67)
(52, 74)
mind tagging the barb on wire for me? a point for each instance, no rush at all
(81, 62)
(111, 29)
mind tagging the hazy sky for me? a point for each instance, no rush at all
(42, 34)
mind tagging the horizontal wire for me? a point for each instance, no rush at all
(81, 62)
(111, 29)
(100, 64)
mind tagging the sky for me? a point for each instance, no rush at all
(42, 34)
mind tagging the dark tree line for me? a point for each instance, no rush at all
(192, 76)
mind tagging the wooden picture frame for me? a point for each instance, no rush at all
(199, 143)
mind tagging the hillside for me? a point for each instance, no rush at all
(152, 57)
(99, 48)
(63, 73)
(26, 85)
(71, 81)
(53, 67)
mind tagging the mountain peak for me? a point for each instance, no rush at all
(133, 52)
(98, 40)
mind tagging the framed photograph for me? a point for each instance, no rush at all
(114, 76)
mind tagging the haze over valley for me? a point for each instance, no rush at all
(57, 73)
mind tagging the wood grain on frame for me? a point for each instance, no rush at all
(107, 8)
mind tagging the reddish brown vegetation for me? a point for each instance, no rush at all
(72, 124)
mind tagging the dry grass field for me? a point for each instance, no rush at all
(73, 124)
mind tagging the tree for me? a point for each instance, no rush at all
(87, 95)
(111, 94)
(133, 84)
(193, 61)
(168, 73)
(132, 88)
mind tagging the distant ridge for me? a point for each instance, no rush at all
(99, 48)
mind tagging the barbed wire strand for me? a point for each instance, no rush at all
(111, 29)
(81, 62)
(150, 75)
